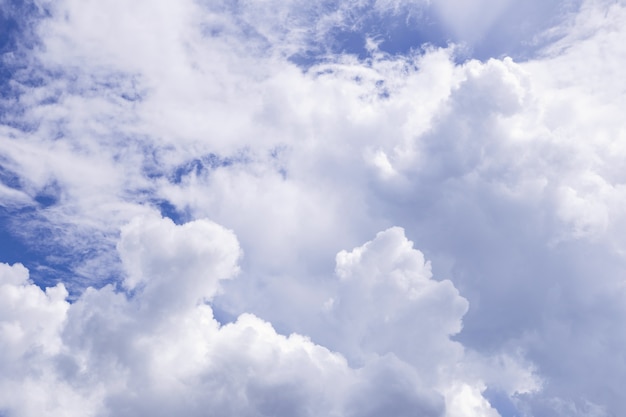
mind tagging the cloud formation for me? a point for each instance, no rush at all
(157, 349)
(317, 177)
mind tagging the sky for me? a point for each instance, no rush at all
(312, 208)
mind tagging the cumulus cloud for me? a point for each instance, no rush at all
(179, 264)
(394, 280)
(157, 349)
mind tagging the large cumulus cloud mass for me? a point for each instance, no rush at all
(159, 350)
(273, 208)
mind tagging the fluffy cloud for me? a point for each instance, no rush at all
(30, 324)
(158, 349)
(179, 264)
(386, 287)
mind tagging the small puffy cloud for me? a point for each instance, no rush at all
(31, 317)
(388, 301)
(167, 263)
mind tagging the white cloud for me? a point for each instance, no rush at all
(388, 302)
(14, 198)
(176, 264)
(158, 350)
(30, 324)
(386, 286)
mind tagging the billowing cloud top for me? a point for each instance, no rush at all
(290, 208)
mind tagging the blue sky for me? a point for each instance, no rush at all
(290, 208)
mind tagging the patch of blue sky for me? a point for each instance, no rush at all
(15, 16)
(519, 31)
(522, 30)
(18, 77)
(9, 178)
(169, 210)
(8, 29)
(49, 195)
(48, 264)
(12, 249)
(151, 165)
(502, 403)
(202, 165)
(11, 116)
(223, 316)
(394, 33)
(402, 36)
(37, 247)
(16, 24)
